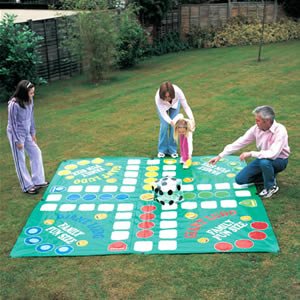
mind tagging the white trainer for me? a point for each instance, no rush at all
(272, 191)
(174, 155)
(160, 155)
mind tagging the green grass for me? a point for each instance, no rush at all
(118, 118)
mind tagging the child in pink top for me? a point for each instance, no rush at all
(183, 133)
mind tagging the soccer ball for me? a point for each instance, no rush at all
(168, 190)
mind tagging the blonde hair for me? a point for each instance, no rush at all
(184, 122)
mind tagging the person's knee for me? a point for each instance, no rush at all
(264, 163)
(239, 179)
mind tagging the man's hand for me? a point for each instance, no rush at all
(214, 160)
(20, 146)
(245, 155)
(34, 138)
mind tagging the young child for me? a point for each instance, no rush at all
(21, 135)
(183, 133)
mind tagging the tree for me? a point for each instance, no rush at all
(19, 55)
(92, 36)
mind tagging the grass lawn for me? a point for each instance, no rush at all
(77, 119)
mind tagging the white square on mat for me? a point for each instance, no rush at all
(143, 246)
(222, 186)
(119, 235)
(129, 181)
(168, 234)
(127, 189)
(239, 186)
(106, 207)
(134, 161)
(121, 225)
(169, 173)
(133, 174)
(92, 188)
(125, 207)
(204, 187)
(168, 224)
(187, 187)
(167, 245)
(243, 193)
(132, 168)
(75, 188)
(67, 207)
(53, 197)
(48, 207)
(123, 215)
(86, 207)
(168, 215)
(208, 204)
(228, 203)
(169, 207)
(189, 205)
(153, 162)
(169, 168)
(110, 188)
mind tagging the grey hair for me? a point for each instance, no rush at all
(266, 112)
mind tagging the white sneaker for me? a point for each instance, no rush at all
(272, 191)
(160, 155)
(174, 155)
(263, 193)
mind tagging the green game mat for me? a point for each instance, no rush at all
(100, 206)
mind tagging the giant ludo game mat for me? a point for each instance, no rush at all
(101, 206)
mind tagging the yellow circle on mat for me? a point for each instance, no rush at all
(82, 243)
(230, 175)
(151, 174)
(71, 167)
(109, 164)
(83, 162)
(49, 222)
(112, 180)
(152, 168)
(64, 172)
(188, 179)
(146, 197)
(149, 180)
(203, 240)
(191, 215)
(98, 160)
(170, 161)
(147, 187)
(246, 218)
(196, 163)
(100, 216)
(69, 177)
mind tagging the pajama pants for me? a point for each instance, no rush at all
(184, 148)
(37, 176)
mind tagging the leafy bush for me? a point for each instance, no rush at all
(18, 56)
(131, 43)
(168, 43)
(243, 31)
(92, 36)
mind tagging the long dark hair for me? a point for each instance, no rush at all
(21, 93)
(166, 87)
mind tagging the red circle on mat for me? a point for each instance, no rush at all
(259, 225)
(257, 235)
(244, 244)
(146, 225)
(223, 246)
(143, 234)
(117, 246)
(148, 208)
(147, 216)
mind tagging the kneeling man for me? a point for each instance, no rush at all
(273, 151)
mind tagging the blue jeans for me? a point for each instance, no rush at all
(262, 170)
(166, 142)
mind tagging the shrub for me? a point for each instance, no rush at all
(131, 43)
(18, 56)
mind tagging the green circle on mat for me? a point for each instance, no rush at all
(189, 196)
(206, 159)
(234, 163)
(222, 194)
(238, 168)
(205, 194)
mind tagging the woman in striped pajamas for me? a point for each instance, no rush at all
(21, 135)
